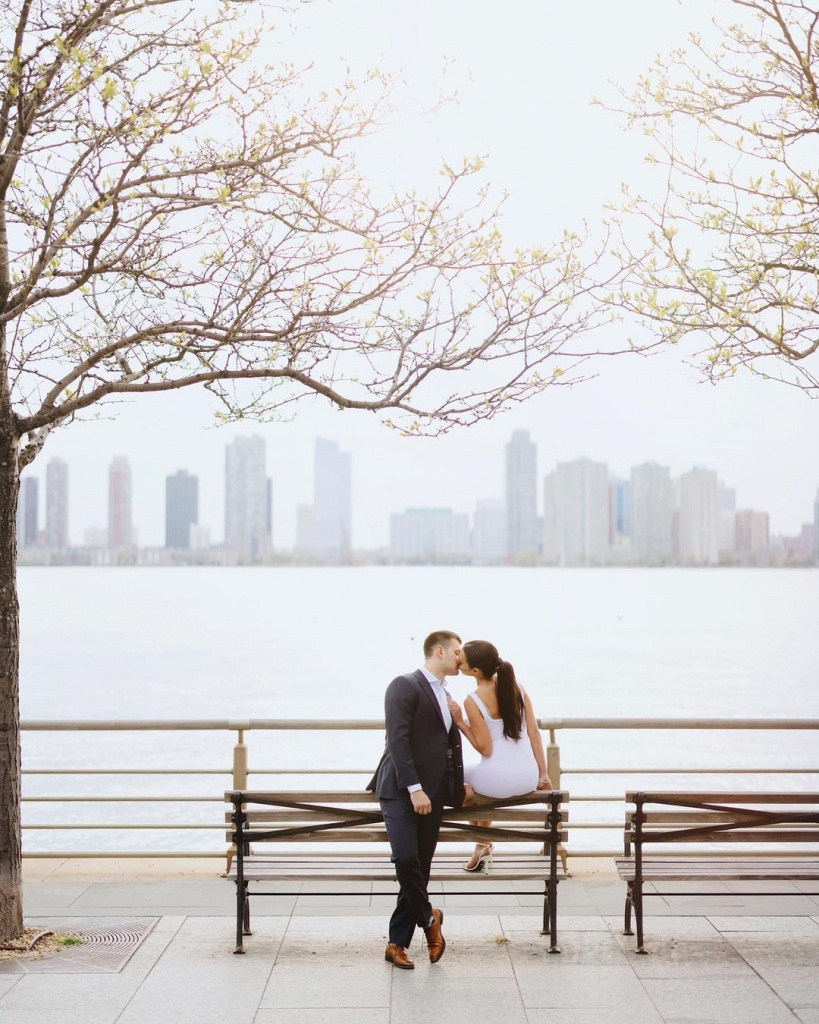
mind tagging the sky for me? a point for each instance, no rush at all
(525, 73)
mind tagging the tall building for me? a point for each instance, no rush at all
(120, 521)
(619, 511)
(522, 541)
(304, 531)
(651, 514)
(429, 535)
(28, 512)
(699, 517)
(727, 501)
(489, 532)
(248, 499)
(752, 535)
(181, 509)
(56, 530)
(576, 514)
(816, 529)
(332, 515)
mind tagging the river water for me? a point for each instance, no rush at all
(322, 643)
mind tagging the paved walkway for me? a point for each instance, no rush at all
(314, 959)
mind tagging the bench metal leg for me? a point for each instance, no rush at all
(545, 930)
(627, 929)
(241, 911)
(552, 897)
(550, 902)
(638, 913)
(550, 917)
(247, 930)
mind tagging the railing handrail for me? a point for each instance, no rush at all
(336, 724)
(241, 769)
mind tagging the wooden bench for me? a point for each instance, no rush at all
(775, 825)
(300, 826)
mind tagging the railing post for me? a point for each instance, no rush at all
(553, 768)
(239, 772)
(553, 760)
(240, 756)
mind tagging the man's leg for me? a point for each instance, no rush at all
(412, 839)
(429, 825)
(427, 842)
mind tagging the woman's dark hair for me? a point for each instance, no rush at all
(482, 655)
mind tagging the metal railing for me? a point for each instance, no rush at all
(593, 815)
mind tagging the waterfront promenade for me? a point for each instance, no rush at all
(162, 939)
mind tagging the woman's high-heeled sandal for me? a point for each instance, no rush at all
(484, 858)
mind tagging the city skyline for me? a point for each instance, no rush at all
(587, 515)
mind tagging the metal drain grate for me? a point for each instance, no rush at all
(108, 943)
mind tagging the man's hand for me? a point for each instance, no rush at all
(421, 803)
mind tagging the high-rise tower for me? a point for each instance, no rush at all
(120, 522)
(651, 501)
(28, 511)
(248, 499)
(181, 509)
(699, 517)
(331, 503)
(576, 514)
(56, 531)
(521, 498)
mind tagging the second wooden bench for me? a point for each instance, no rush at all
(779, 830)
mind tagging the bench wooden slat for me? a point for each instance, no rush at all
(357, 796)
(504, 814)
(265, 867)
(719, 870)
(682, 817)
(755, 835)
(711, 797)
(372, 834)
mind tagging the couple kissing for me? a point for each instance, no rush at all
(421, 770)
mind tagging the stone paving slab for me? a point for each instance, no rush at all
(321, 959)
(720, 1000)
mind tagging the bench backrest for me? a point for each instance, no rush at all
(714, 817)
(295, 816)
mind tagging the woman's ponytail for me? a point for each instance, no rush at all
(510, 700)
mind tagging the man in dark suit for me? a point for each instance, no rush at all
(420, 772)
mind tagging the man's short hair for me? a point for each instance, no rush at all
(440, 636)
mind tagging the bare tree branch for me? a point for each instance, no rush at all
(730, 255)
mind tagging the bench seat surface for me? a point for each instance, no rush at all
(369, 867)
(682, 869)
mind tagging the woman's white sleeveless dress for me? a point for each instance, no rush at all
(511, 769)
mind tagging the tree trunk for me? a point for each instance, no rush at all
(11, 901)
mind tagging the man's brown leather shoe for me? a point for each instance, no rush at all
(436, 943)
(397, 956)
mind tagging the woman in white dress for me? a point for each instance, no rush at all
(502, 726)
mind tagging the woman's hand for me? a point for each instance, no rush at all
(544, 782)
(456, 711)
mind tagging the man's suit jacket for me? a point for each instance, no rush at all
(419, 750)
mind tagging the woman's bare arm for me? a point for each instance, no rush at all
(536, 740)
(475, 730)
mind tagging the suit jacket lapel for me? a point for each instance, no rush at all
(426, 687)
